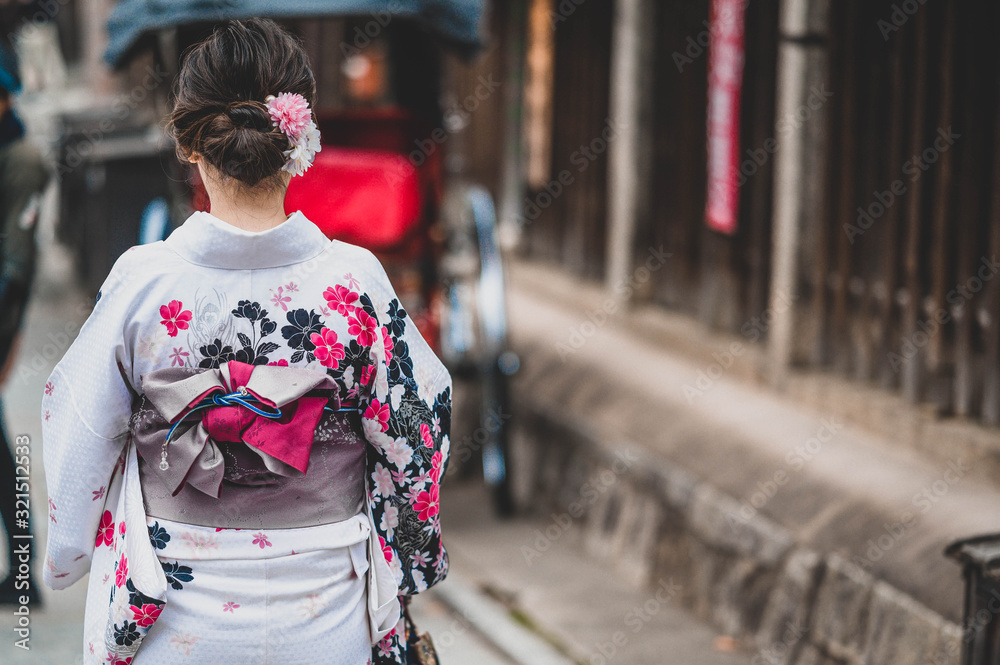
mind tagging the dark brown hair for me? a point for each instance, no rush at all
(219, 108)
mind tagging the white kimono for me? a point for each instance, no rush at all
(209, 294)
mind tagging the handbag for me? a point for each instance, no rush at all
(419, 646)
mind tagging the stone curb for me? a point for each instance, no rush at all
(748, 576)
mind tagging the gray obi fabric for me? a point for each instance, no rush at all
(220, 483)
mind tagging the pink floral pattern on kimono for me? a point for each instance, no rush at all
(175, 317)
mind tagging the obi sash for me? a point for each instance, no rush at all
(246, 446)
(302, 468)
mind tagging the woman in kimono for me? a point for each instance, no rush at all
(244, 444)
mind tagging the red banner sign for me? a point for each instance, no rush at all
(725, 85)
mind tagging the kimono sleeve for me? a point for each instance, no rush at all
(407, 420)
(85, 410)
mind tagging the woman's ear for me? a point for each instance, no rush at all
(193, 157)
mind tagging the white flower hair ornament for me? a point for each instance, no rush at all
(291, 114)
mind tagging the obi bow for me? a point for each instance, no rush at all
(274, 410)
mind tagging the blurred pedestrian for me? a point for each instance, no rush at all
(23, 177)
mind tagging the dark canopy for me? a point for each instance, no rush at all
(457, 21)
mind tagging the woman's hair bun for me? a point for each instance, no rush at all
(250, 115)
(219, 108)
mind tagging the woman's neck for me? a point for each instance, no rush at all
(250, 215)
(250, 210)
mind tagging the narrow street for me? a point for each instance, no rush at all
(724, 273)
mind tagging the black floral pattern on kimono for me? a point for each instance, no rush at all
(254, 350)
(158, 536)
(356, 358)
(176, 573)
(138, 598)
(401, 365)
(302, 325)
(126, 634)
(215, 354)
(396, 324)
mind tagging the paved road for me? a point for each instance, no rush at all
(457, 641)
(597, 616)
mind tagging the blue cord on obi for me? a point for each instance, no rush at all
(240, 397)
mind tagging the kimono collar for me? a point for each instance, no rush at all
(206, 240)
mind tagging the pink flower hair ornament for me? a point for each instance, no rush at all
(291, 114)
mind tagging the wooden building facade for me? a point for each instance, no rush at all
(894, 255)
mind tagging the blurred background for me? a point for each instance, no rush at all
(716, 280)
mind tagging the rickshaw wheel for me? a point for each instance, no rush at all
(474, 334)
(496, 452)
